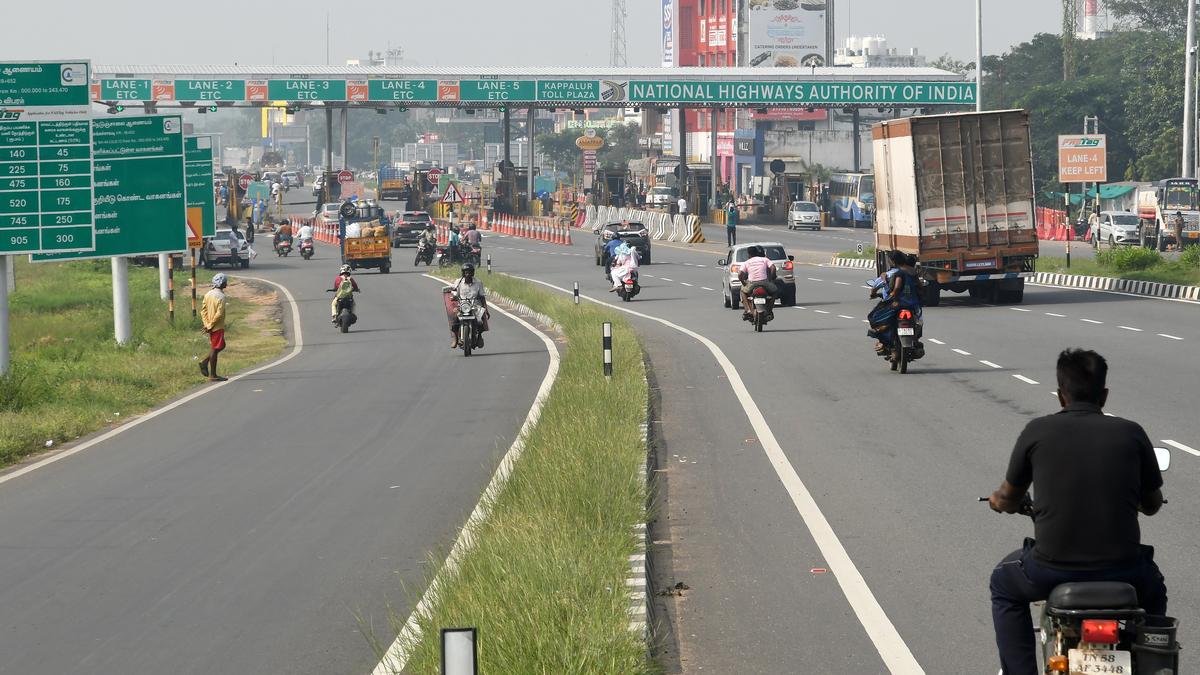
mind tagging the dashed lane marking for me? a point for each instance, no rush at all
(1061, 316)
(1018, 309)
(666, 279)
(814, 279)
(684, 283)
(841, 283)
(1169, 337)
(961, 351)
(936, 341)
(1136, 330)
(707, 288)
(843, 316)
(1026, 380)
(1180, 446)
(1091, 321)
(990, 364)
(820, 311)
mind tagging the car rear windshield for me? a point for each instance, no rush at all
(1125, 220)
(772, 253)
(804, 206)
(662, 191)
(415, 218)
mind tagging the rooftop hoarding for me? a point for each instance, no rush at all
(668, 33)
(782, 91)
(786, 33)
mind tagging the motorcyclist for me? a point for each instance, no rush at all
(898, 289)
(282, 234)
(1092, 475)
(608, 253)
(305, 233)
(626, 260)
(471, 239)
(758, 270)
(466, 289)
(429, 236)
(344, 285)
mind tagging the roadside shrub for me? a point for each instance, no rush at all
(1190, 257)
(1129, 258)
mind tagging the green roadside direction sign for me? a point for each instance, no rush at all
(569, 91)
(306, 90)
(210, 90)
(201, 202)
(141, 205)
(497, 90)
(125, 90)
(46, 199)
(401, 90)
(804, 93)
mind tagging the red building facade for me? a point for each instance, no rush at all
(708, 39)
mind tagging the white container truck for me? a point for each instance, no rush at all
(957, 191)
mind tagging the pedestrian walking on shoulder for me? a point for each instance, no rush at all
(682, 204)
(731, 218)
(212, 314)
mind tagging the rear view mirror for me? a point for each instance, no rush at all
(721, 262)
(595, 230)
(1163, 456)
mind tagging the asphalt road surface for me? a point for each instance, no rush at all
(894, 463)
(250, 530)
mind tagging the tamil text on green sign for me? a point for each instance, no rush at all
(45, 158)
(141, 207)
(198, 156)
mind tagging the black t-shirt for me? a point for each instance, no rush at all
(1089, 472)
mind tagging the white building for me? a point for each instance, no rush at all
(873, 52)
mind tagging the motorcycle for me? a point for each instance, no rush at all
(470, 323)
(283, 248)
(1097, 626)
(425, 253)
(763, 303)
(906, 343)
(629, 286)
(444, 256)
(306, 248)
(345, 313)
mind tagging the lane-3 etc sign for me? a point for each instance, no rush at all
(1082, 159)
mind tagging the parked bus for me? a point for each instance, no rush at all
(852, 198)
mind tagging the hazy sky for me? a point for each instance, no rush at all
(460, 32)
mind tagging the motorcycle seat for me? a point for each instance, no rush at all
(1093, 595)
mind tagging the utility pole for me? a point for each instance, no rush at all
(1188, 163)
(616, 53)
(1069, 28)
(978, 55)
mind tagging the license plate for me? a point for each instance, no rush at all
(760, 301)
(1103, 661)
(905, 331)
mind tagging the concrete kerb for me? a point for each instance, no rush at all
(1149, 289)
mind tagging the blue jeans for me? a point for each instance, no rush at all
(1020, 579)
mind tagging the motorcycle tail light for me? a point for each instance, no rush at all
(788, 265)
(905, 315)
(1058, 663)
(760, 291)
(1099, 631)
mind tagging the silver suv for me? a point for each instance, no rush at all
(731, 286)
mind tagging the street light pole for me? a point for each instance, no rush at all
(978, 55)
(1188, 163)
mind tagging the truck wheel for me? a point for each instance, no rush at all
(931, 295)
(246, 264)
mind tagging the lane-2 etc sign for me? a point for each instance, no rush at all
(1082, 159)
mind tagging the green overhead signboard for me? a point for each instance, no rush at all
(125, 90)
(141, 207)
(803, 93)
(210, 90)
(306, 90)
(201, 202)
(46, 199)
(402, 90)
(568, 91)
(497, 90)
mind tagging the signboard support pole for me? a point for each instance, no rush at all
(193, 280)
(712, 162)
(683, 153)
(120, 280)
(345, 133)
(11, 277)
(164, 259)
(6, 264)
(857, 150)
(529, 197)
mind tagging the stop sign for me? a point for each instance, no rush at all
(434, 174)
(245, 180)
(345, 176)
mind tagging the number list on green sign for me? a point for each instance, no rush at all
(198, 155)
(45, 158)
(141, 206)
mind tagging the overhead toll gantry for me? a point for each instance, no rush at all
(386, 87)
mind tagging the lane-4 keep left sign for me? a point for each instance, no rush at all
(1082, 159)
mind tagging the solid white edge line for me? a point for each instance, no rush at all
(891, 647)
(1180, 446)
(396, 657)
(1026, 380)
(158, 412)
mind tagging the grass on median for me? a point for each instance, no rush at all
(68, 377)
(867, 254)
(544, 582)
(1132, 262)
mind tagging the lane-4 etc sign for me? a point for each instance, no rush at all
(733, 92)
(1082, 159)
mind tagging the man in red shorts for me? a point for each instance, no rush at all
(212, 313)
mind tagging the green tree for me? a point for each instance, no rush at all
(1166, 16)
(560, 150)
(947, 62)
(621, 145)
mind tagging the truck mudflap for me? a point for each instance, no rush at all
(989, 277)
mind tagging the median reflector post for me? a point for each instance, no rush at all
(577, 292)
(122, 329)
(171, 287)
(460, 654)
(193, 282)
(162, 275)
(607, 342)
(489, 263)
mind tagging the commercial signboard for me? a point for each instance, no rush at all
(668, 33)
(790, 115)
(46, 193)
(141, 207)
(1082, 159)
(202, 210)
(787, 33)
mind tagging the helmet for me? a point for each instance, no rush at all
(608, 234)
(429, 226)
(219, 280)
(345, 269)
(468, 269)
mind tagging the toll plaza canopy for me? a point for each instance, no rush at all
(385, 86)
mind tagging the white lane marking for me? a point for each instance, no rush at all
(1018, 309)
(1169, 337)
(891, 647)
(706, 288)
(843, 316)
(666, 279)
(990, 364)
(813, 279)
(820, 311)
(1180, 446)
(296, 349)
(960, 351)
(1136, 330)
(1091, 321)
(648, 275)
(399, 652)
(684, 283)
(841, 283)
(1061, 316)
(1026, 380)
(936, 341)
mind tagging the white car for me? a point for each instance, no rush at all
(804, 214)
(785, 279)
(1116, 227)
(662, 197)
